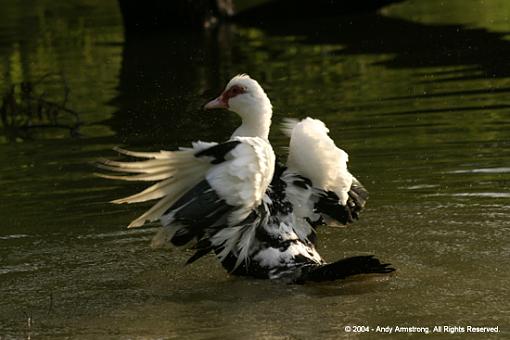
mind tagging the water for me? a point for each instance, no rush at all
(419, 95)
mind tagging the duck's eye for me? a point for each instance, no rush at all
(234, 91)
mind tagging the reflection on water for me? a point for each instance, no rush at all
(418, 95)
(81, 41)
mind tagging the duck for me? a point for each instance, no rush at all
(234, 199)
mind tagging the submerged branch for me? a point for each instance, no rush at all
(24, 110)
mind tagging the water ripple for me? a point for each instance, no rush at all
(502, 170)
(13, 236)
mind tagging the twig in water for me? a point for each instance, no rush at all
(23, 110)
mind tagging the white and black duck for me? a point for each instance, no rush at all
(257, 216)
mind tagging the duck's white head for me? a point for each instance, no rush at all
(244, 96)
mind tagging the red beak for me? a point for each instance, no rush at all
(217, 103)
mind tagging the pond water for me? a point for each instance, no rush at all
(418, 95)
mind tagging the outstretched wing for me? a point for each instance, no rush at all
(202, 189)
(175, 172)
(317, 177)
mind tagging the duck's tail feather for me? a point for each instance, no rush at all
(345, 268)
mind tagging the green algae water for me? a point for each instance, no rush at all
(417, 94)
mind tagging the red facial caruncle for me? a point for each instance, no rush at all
(222, 101)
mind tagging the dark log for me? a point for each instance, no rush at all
(293, 10)
(142, 16)
(149, 15)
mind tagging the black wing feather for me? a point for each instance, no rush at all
(201, 207)
(219, 151)
(328, 203)
(198, 209)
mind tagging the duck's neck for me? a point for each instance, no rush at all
(256, 122)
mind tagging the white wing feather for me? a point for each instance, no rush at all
(314, 155)
(241, 180)
(177, 171)
(244, 178)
